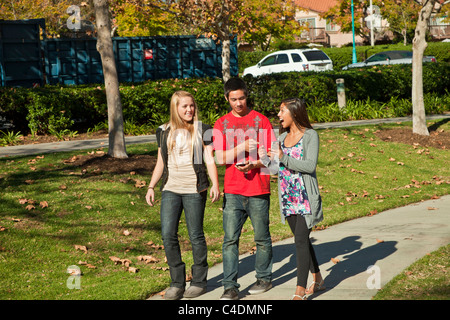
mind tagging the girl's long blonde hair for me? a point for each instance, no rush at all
(177, 125)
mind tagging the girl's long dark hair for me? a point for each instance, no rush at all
(297, 108)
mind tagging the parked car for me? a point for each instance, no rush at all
(388, 57)
(291, 60)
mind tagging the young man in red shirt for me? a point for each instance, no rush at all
(237, 136)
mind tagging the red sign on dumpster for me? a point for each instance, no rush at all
(148, 54)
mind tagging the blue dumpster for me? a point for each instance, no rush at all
(26, 60)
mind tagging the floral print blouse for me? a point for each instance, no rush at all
(293, 193)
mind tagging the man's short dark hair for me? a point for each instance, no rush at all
(234, 84)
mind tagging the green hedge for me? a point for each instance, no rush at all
(371, 93)
(55, 108)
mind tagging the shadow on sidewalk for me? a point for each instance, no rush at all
(354, 261)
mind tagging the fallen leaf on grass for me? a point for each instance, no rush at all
(155, 246)
(84, 263)
(71, 160)
(74, 271)
(335, 260)
(148, 259)
(117, 260)
(124, 180)
(43, 204)
(160, 268)
(139, 183)
(79, 247)
(132, 270)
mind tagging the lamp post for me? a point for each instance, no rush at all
(354, 60)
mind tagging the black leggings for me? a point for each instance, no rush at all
(306, 258)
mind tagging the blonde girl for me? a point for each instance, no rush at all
(185, 160)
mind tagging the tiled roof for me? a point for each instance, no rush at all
(316, 5)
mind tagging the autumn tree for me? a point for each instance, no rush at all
(267, 20)
(249, 20)
(341, 14)
(218, 18)
(105, 48)
(401, 15)
(136, 18)
(53, 11)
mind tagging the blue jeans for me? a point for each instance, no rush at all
(172, 204)
(236, 209)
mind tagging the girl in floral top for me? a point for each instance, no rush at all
(300, 201)
(292, 188)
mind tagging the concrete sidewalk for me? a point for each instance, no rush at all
(63, 146)
(389, 242)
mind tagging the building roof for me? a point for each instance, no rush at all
(316, 5)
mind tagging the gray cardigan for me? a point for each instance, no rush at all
(307, 167)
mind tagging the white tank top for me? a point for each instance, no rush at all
(182, 177)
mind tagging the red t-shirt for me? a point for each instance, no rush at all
(229, 131)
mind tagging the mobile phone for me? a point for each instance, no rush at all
(240, 164)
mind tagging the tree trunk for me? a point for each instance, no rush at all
(419, 46)
(226, 74)
(105, 48)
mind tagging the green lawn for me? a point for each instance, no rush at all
(425, 279)
(53, 215)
